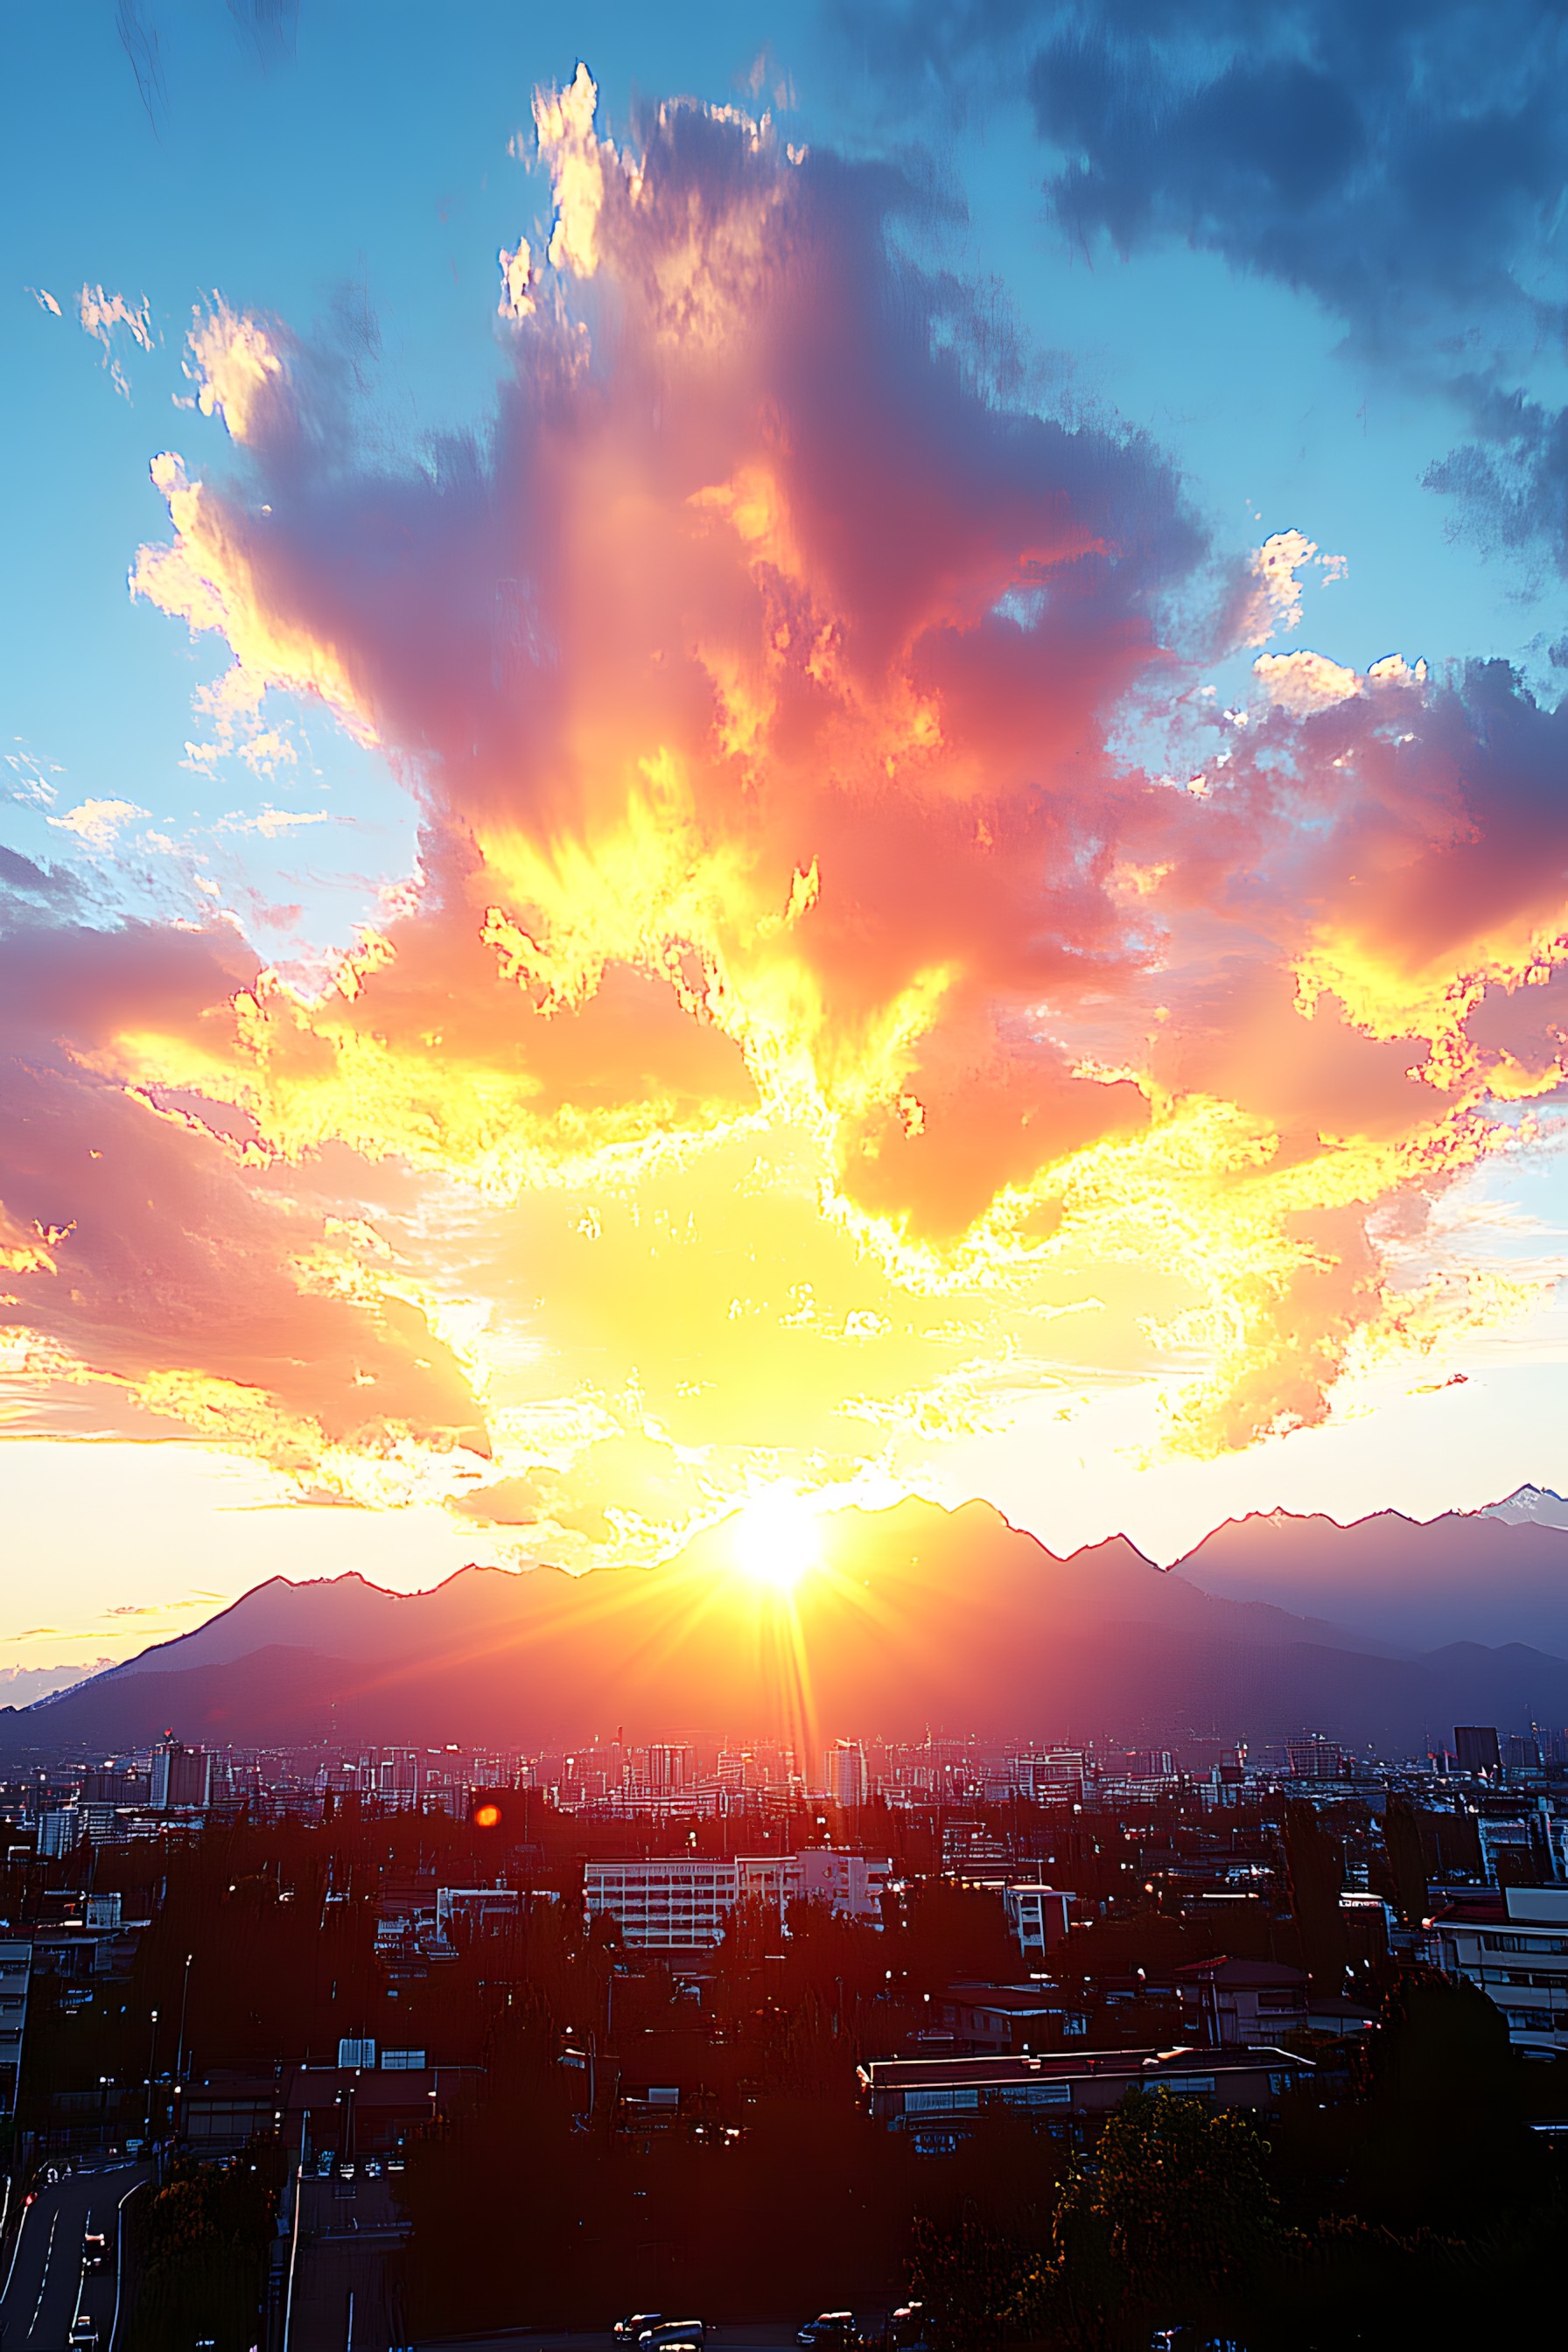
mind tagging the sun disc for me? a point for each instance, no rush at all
(776, 1539)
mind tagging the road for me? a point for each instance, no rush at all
(347, 2281)
(47, 2288)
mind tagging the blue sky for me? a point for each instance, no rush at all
(342, 174)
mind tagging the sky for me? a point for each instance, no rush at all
(759, 757)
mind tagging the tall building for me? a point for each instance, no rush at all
(15, 1970)
(845, 1779)
(182, 1776)
(1476, 1747)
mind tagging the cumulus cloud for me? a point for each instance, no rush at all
(98, 822)
(800, 1010)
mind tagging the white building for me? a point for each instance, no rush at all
(845, 1779)
(851, 1885)
(674, 1903)
(684, 1902)
(1515, 1947)
(1038, 1917)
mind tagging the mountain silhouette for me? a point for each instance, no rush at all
(916, 1618)
(1465, 1577)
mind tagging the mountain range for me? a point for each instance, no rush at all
(1383, 1633)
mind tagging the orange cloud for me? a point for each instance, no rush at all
(805, 1030)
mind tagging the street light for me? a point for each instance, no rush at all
(151, 2055)
(184, 1996)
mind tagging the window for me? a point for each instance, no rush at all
(1189, 2086)
(944, 2101)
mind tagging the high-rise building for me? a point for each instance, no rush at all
(15, 1972)
(1476, 1747)
(845, 1778)
(182, 1776)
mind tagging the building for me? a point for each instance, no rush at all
(1038, 1917)
(350, 2110)
(1232, 2004)
(1524, 1848)
(851, 1885)
(477, 1909)
(684, 1902)
(988, 2019)
(59, 1831)
(181, 1777)
(1316, 1758)
(1515, 1945)
(845, 1779)
(1476, 1748)
(674, 1903)
(15, 1972)
(938, 2100)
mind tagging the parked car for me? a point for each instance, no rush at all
(907, 2328)
(829, 2327)
(630, 2330)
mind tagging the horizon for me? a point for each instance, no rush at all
(783, 1174)
(749, 997)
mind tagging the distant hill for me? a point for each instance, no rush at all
(1467, 1576)
(918, 1618)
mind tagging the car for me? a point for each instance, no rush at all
(94, 2250)
(631, 2329)
(672, 2336)
(83, 2337)
(829, 2327)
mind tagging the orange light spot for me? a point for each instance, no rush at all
(486, 1816)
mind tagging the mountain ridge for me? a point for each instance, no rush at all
(921, 1616)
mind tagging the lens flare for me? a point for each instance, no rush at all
(776, 1539)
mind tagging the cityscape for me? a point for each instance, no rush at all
(783, 1175)
(817, 2021)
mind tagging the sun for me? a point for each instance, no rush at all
(776, 1539)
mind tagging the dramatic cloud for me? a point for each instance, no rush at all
(1402, 165)
(802, 1033)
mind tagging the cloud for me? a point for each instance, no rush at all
(1402, 166)
(105, 316)
(800, 1011)
(96, 822)
(144, 1252)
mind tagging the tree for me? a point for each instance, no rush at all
(1169, 2223)
(1315, 1861)
(1407, 1859)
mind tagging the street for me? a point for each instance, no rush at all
(346, 2278)
(47, 2287)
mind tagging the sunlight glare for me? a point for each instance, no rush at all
(776, 1539)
